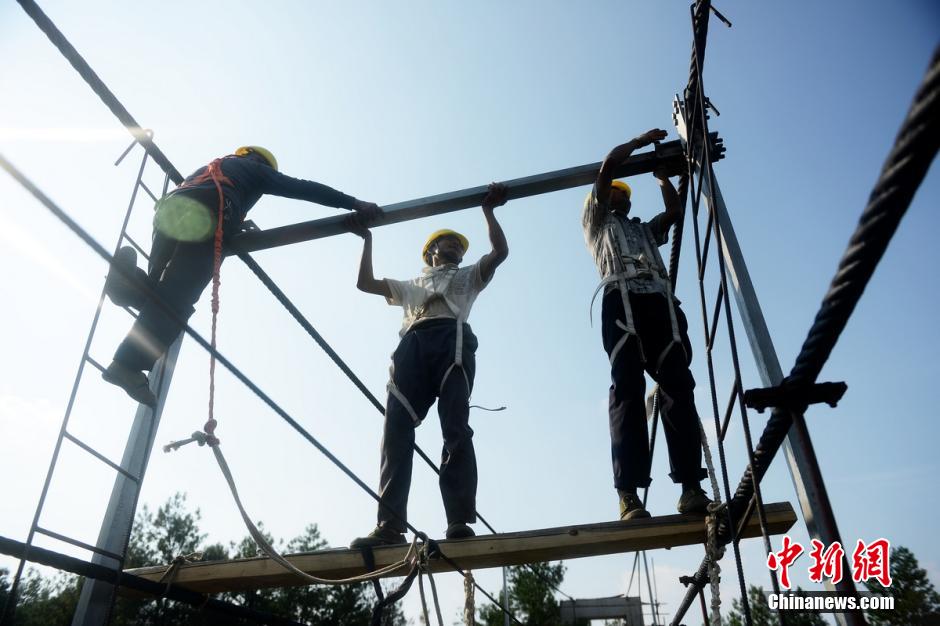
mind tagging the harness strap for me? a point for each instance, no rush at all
(398, 395)
(628, 324)
(465, 378)
(653, 253)
(620, 343)
(461, 318)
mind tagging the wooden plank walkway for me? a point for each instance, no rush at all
(550, 544)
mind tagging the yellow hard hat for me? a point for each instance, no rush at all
(619, 184)
(444, 232)
(259, 150)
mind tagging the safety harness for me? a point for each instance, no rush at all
(438, 292)
(627, 263)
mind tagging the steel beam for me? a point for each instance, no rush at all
(669, 154)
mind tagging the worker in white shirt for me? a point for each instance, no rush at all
(434, 359)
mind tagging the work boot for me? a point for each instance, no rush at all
(631, 507)
(134, 382)
(120, 285)
(381, 536)
(459, 530)
(693, 501)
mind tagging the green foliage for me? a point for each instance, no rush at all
(762, 615)
(531, 596)
(915, 599)
(41, 602)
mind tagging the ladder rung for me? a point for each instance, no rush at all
(147, 189)
(80, 544)
(135, 245)
(98, 365)
(730, 409)
(84, 446)
(716, 315)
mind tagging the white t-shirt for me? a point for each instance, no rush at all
(442, 292)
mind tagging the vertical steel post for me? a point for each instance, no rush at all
(96, 599)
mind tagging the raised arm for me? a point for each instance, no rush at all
(670, 198)
(500, 248)
(617, 156)
(367, 281)
(278, 184)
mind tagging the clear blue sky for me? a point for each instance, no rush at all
(390, 102)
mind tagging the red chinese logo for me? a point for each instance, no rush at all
(872, 561)
(869, 561)
(781, 561)
(826, 562)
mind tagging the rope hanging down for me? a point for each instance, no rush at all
(214, 172)
(409, 559)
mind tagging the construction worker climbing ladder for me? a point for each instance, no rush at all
(643, 328)
(434, 359)
(183, 255)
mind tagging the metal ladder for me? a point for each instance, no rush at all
(97, 597)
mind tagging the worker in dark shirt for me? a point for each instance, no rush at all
(182, 252)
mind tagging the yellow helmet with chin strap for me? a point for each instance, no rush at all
(244, 150)
(444, 232)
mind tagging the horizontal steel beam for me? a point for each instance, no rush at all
(669, 154)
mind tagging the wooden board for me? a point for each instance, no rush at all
(550, 544)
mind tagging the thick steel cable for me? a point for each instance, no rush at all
(235, 371)
(699, 114)
(709, 346)
(738, 390)
(706, 171)
(90, 77)
(700, 15)
(906, 166)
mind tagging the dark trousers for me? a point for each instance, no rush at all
(629, 434)
(179, 272)
(419, 365)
